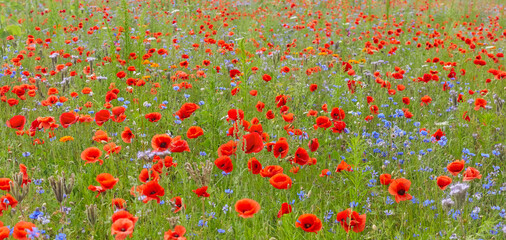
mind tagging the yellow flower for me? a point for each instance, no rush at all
(154, 65)
(322, 53)
(66, 138)
(146, 77)
(146, 62)
(309, 48)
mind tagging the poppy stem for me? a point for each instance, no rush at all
(203, 208)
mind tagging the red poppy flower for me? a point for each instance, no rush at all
(438, 135)
(224, 163)
(313, 145)
(256, 128)
(285, 209)
(186, 110)
(21, 230)
(406, 100)
(123, 214)
(235, 114)
(343, 166)
(313, 87)
(443, 182)
(26, 179)
(271, 170)
(281, 181)
(280, 149)
(323, 122)
(91, 155)
(351, 220)
(471, 173)
(177, 234)
(168, 162)
(301, 156)
(161, 142)
(17, 122)
(148, 175)
(4, 231)
(201, 192)
(177, 204)
(118, 114)
(101, 137)
(4, 184)
(102, 116)
(281, 100)
(179, 145)
(6, 201)
(252, 143)
(260, 106)
(385, 179)
(153, 117)
(97, 189)
(112, 148)
(194, 132)
(374, 109)
(247, 207)
(67, 119)
(122, 228)
(426, 100)
(234, 73)
(254, 165)
(118, 203)
(339, 127)
(337, 114)
(153, 191)
(309, 223)
(288, 117)
(121, 74)
(399, 188)
(45, 123)
(106, 180)
(266, 77)
(456, 167)
(269, 114)
(227, 149)
(480, 103)
(12, 102)
(407, 113)
(127, 135)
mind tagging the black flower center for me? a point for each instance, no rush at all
(163, 145)
(307, 225)
(401, 192)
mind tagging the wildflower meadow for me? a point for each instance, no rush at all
(252, 119)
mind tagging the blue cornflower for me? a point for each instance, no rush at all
(301, 195)
(61, 236)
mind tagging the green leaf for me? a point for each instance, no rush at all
(3, 34)
(13, 29)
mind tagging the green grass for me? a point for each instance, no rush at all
(408, 219)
